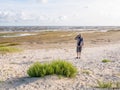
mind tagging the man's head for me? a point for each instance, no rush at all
(79, 35)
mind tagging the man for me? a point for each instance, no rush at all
(80, 43)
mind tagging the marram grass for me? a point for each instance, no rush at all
(58, 67)
(117, 85)
(109, 85)
(102, 84)
(86, 72)
(106, 60)
(5, 49)
(3, 44)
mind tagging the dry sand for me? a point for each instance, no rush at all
(99, 46)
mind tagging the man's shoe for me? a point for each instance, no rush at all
(76, 57)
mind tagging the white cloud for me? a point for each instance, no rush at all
(7, 16)
(42, 1)
(77, 12)
(12, 16)
(61, 18)
(27, 16)
(42, 17)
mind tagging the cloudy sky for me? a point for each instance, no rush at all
(60, 12)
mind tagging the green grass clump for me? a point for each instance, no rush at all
(104, 84)
(106, 60)
(86, 72)
(8, 44)
(1, 81)
(58, 67)
(118, 85)
(13, 44)
(5, 49)
(64, 68)
(2, 45)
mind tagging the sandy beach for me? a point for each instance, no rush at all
(47, 46)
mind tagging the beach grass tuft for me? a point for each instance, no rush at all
(117, 84)
(9, 44)
(1, 80)
(106, 60)
(86, 72)
(58, 67)
(13, 44)
(102, 84)
(109, 85)
(6, 49)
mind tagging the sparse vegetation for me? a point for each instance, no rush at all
(5, 47)
(102, 84)
(106, 60)
(58, 67)
(2, 44)
(53, 37)
(13, 44)
(86, 72)
(1, 80)
(117, 85)
(110, 85)
(8, 50)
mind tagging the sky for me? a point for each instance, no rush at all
(59, 12)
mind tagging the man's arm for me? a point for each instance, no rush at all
(76, 37)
